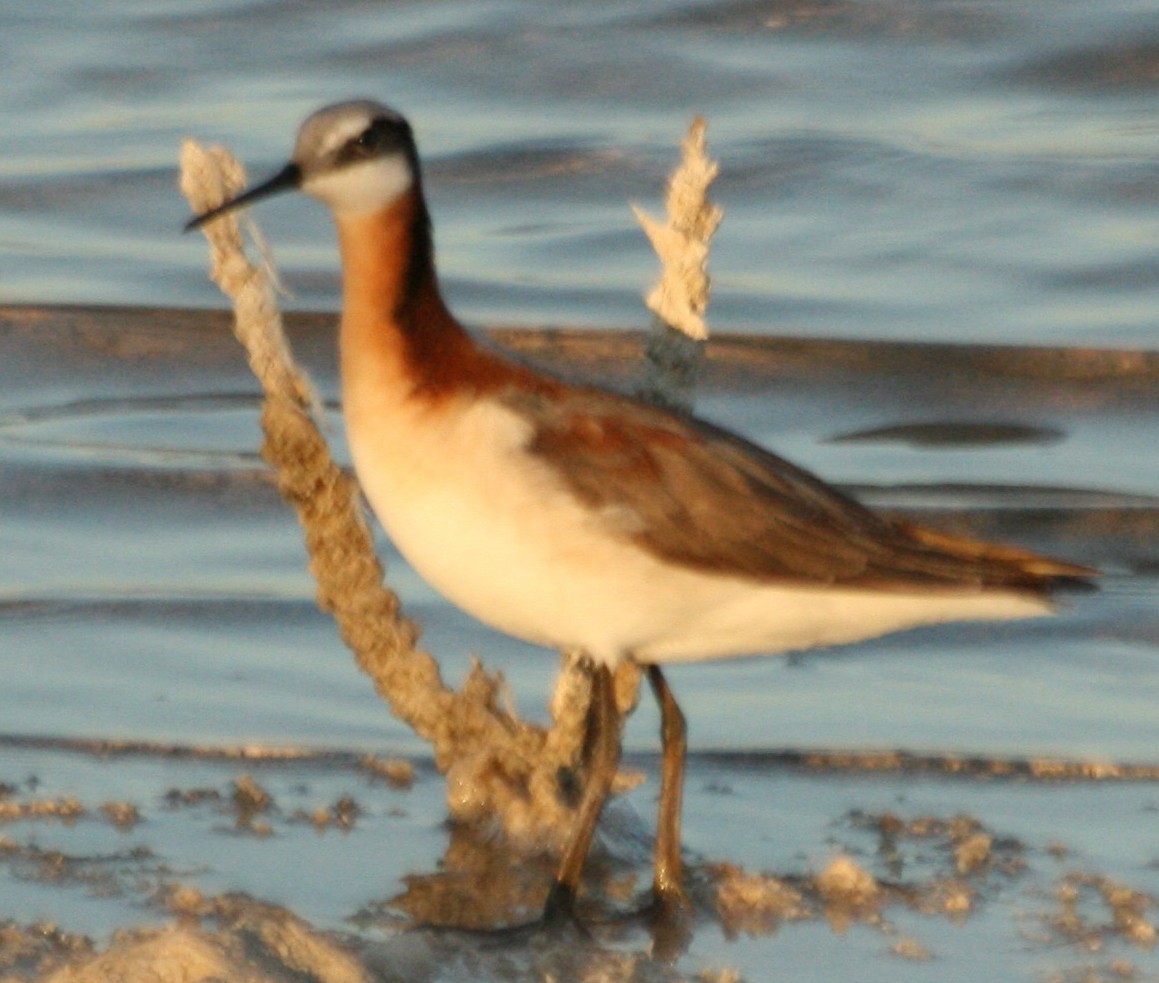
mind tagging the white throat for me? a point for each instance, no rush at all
(363, 187)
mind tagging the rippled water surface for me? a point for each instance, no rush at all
(890, 169)
(901, 174)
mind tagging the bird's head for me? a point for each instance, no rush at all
(355, 156)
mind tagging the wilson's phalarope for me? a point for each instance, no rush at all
(581, 519)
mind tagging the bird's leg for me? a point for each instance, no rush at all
(667, 866)
(603, 747)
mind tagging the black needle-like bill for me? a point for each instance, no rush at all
(287, 179)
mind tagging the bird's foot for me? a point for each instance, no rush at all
(559, 910)
(669, 919)
(669, 898)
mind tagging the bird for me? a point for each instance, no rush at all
(583, 519)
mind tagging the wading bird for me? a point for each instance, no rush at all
(578, 518)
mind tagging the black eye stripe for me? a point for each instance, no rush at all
(383, 135)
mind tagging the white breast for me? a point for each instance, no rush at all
(476, 516)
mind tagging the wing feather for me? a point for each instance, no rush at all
(697, 495)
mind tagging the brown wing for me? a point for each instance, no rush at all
(700, 496)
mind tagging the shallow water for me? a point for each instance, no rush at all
(147, 547)
(154, 593)
(894, 172)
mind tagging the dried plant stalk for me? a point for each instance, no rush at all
(679, 299)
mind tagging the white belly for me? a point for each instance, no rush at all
(490, 528)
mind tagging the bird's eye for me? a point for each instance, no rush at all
(382, 136)
(371, 139)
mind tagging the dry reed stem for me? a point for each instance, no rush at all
(680, 296)
(679, 299)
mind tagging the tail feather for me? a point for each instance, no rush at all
(1000, 565)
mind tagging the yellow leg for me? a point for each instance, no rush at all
(603, 746)
(667, 866)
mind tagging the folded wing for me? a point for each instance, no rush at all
(692, 493)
